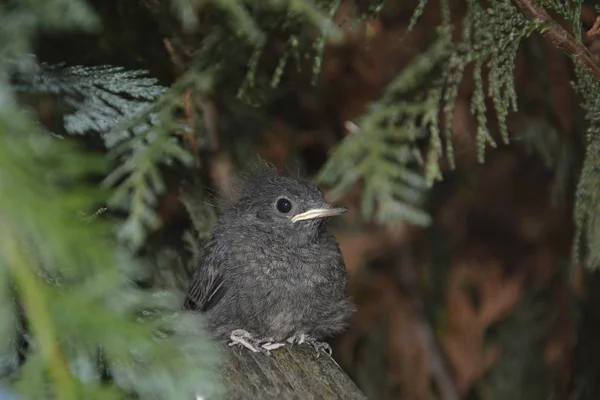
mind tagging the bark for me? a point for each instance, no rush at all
(292, 372)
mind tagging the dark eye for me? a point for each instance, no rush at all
(284, 206)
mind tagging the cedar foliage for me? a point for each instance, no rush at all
(79, 322)
(73, 316)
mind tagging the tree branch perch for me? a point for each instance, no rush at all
(293, 372)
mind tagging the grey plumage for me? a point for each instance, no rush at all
(276, 274)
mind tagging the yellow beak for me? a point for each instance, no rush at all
(319, 213)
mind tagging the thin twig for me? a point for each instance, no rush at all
(557, 34)
(594, 30)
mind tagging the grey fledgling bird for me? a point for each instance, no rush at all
(270, 272)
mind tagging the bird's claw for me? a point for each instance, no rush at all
(322, 346)
(256, 345)
(304, 338)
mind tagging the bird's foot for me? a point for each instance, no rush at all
(263, 345)
(300, 338)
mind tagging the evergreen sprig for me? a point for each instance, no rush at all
(303, 27)
(73, 322)
(137, 120)
(101, 96)
(137, 179)
(77, 289)
(490, 48)
(433, 81)
(382, 150)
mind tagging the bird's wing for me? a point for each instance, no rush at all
(208, 285)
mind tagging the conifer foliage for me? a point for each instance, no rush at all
(74, 323)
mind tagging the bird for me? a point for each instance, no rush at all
(270, 273)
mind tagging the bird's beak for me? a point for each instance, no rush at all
(319, 213)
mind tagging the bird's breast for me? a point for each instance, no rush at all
(285, 265)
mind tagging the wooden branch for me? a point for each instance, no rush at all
(557, 34)
(292, 372)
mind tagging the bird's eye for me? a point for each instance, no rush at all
(284, 206)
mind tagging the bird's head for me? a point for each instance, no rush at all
(288, 209)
